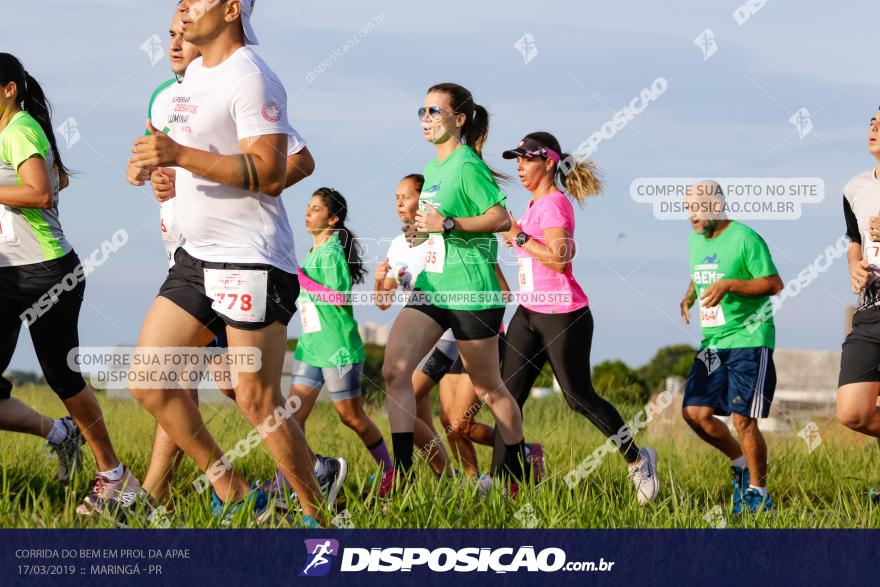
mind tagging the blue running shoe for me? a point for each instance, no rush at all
(310, 523)
(874, 496)
(740, 484)
(255, 501)
(757, 502)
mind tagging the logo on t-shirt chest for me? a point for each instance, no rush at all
(430, 196)
(183, 110)
(404, 277)
(706, 272)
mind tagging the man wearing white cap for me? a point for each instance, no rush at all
(236, 271)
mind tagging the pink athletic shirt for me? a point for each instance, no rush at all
(542, 289)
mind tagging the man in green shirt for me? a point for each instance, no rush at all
(732, 277)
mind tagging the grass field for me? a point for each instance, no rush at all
(823, 489)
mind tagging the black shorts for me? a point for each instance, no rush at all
(185, 286)
(48, 297)
(465, 324)
(860, 359)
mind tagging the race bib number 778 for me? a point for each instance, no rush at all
(872, 254)
(240, 295)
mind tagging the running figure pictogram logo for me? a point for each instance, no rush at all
(319, 553)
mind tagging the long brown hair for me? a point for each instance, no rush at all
(338, 206)
(32, 100)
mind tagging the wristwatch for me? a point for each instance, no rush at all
(448, 224)
(521, 239)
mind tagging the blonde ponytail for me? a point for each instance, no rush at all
(580, 177)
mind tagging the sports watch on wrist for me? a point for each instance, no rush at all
(521, 239)
(448, 224)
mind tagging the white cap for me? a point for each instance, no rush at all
(247, 9)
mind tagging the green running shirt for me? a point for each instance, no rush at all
(28, 235)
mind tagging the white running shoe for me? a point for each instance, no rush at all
(644, 476)
(69, 450)
(120, 493)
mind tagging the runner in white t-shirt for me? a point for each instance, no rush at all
(236, 271)
(398, 272)
(300, 164)
(858, 393)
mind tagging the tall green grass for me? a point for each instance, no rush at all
(823, 489)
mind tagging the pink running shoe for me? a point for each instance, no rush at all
(535, 457)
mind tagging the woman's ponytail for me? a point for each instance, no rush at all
(38, 106)
(32, 99)
(579, 176)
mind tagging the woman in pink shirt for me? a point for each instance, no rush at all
(553, 321)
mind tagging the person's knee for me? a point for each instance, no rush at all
(464, 425)
(854, 419)
(583, 405)
(457, 426)
(355, 421)
(394, 372)
(150, 400)
(695, 418)
(69, 389)
(491, 395)
(745, 425)
(254, 399)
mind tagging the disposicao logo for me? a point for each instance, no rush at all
(319, 559)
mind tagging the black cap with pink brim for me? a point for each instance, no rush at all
(532, 149)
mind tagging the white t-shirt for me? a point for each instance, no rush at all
(171, 236)
(861, 200)
(406, 264)
(212, 110)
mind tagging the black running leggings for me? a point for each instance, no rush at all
(564, 340)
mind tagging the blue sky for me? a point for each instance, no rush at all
(725, 116)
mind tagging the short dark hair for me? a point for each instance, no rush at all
(416, 178)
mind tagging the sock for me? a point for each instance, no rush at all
(740, 462)
(320, 469)
(113, 474)
(761, 490)
(281, 481)
(380, 454)
(514, 458)
(58, 433)
(402, 442)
